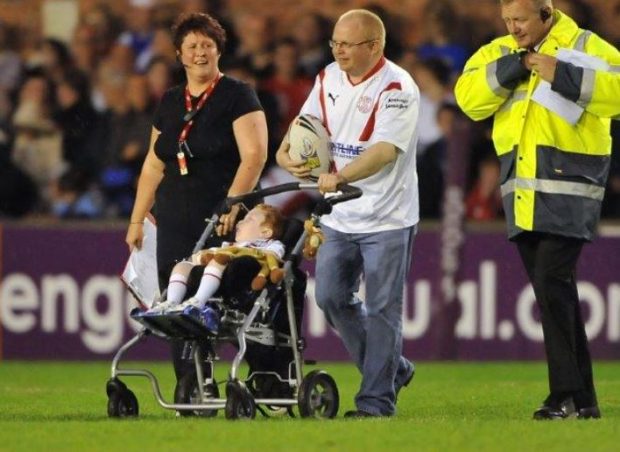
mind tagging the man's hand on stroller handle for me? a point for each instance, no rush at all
(331, 182)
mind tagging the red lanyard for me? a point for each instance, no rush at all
(189, 122)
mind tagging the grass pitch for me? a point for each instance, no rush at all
(448, 406)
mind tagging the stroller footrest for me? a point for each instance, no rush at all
(175, 325)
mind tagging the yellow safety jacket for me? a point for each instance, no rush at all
(553, 172)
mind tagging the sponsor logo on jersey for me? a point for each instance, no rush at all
(346, 150)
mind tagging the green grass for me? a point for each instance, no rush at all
(448, 406)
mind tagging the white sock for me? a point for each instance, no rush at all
(177, 286)
(209, 283)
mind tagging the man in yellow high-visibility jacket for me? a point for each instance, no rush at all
(552, 89)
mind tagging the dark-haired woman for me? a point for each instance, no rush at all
(209, 141)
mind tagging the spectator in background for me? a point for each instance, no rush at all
(84, 49)
(55, 59)
(443, 40)
(139, 36)
(431, 165)
(433, 77)
(18, 193)
(255, 48)
(484, 200)
(128, 130)
(79, 123)
(162, 46)
(579, 10)
(73, 196)
(113, 70)
(37, 149)
(160, 77)
(393, 38)
(10, 71)
(104, 25)
(288, 84)
(311, 33)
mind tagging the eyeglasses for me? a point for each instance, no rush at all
(348, 45)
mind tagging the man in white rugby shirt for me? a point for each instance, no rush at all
(370, 109)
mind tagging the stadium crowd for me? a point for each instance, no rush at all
(75, 116)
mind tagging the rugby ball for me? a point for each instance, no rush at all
(310, 141)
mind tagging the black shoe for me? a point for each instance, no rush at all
(359, 414)
(406, 383)
(552, 410)
(591, 412)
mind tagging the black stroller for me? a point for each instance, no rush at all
(265, 328)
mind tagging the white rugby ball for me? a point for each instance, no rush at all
(310, 141)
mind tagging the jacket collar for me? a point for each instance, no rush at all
(564, 30)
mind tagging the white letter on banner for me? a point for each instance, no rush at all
(467, 294)
(613, 313)
(488, 300)
(105, 330)
(589, 294)
(530, 328)
(317, 324)
(19, 293)
(53, 287)
(418, 325)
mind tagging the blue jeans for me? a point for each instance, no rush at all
(371, 332)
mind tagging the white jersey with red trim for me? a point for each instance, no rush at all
(381, 108)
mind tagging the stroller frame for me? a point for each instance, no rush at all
(316, 394)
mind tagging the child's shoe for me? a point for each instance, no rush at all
(162, 308)
(211, 319)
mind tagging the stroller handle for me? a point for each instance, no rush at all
(348, 192)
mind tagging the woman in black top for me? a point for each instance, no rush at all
(209, 141)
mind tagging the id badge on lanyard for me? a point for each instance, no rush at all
(184, 150)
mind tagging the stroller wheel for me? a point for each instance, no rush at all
(186, 391)
(239, 401)
(123, 404)
(318, 396)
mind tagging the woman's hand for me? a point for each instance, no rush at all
(135, 235)
(228, 220)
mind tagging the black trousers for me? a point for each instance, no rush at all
(550, 261)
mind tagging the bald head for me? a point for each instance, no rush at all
(537, 4)
(370, 24)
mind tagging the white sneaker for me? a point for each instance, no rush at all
(194, 302)
(162, 307)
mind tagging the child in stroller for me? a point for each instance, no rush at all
(256, 236)
(263, 326)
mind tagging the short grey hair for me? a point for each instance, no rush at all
(538, 4)
(370, 21)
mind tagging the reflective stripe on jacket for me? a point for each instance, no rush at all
(553, 173)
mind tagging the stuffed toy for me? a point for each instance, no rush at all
(314, 238)
(270, 265)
